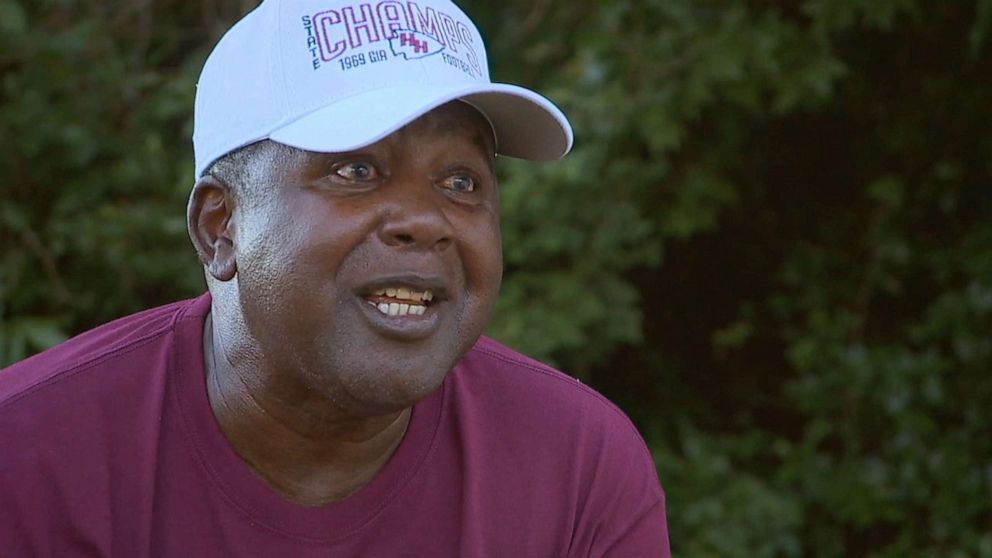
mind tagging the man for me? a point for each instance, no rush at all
(331, 395)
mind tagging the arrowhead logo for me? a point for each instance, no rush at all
(414, 44)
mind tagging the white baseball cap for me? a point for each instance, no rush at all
(337, 75)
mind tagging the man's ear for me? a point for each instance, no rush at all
(209, 220)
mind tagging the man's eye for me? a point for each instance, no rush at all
(459, 183)
(357, 171)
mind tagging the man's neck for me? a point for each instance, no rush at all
(303, 447)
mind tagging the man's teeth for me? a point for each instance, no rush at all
(403, 293)
(397, 309)
(417, 301)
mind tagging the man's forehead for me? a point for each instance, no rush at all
(459, 115)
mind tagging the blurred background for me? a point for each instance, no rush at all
(771, 246)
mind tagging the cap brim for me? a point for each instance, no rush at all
(527, 126)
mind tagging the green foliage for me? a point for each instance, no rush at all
(564, 298)
(722, 510)
(95, 119)
(772, 243)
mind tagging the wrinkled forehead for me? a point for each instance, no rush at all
(460, 117)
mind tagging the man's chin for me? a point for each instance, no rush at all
(386, 391)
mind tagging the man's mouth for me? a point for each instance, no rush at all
(401, 301)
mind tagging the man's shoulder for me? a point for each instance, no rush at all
(555, 439)
(513, 380)
(104, 346)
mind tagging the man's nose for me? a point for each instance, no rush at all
(415, 218)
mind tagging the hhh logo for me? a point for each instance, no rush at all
(413, 44)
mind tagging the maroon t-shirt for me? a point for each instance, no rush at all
(108, 447)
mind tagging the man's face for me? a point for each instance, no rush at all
(364, 276)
